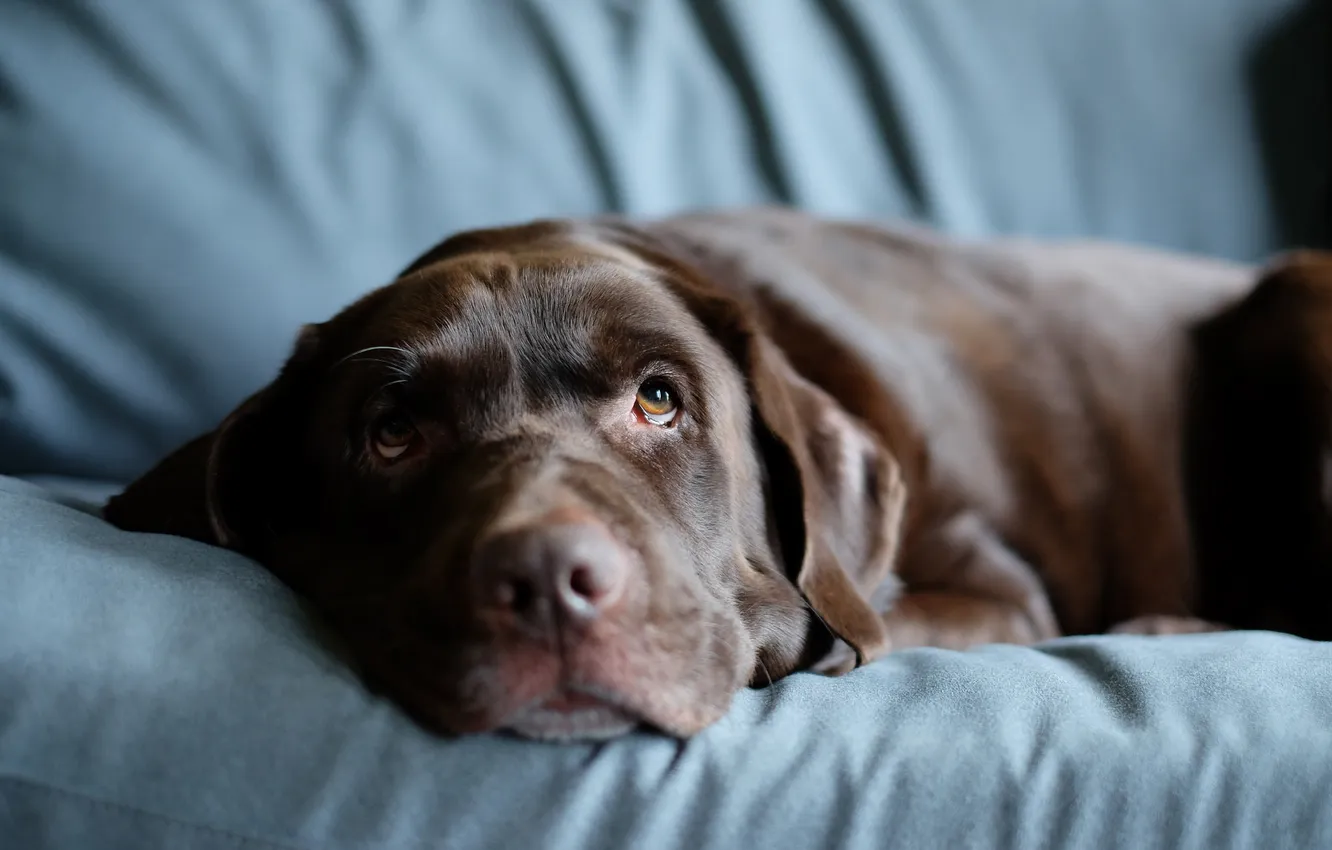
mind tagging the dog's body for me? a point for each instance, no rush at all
(1033, 394)
(935, 443)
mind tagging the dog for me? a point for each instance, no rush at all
(569, 478)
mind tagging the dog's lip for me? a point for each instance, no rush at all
(570, 701)
(570, 713)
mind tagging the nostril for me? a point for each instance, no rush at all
(583, 581)
(516, 594)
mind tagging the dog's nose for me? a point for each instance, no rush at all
(550, 575)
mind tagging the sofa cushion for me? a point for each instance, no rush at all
(159, 693)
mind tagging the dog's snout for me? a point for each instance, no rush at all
(548, 576)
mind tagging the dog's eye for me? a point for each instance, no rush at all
(392, 435)
(656, 403)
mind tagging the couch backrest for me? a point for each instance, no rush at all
(183, 183)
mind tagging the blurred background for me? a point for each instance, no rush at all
(184, 182)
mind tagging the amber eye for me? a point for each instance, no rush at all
(656, 403)
(392, 435)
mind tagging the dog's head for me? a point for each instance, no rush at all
(553, 479)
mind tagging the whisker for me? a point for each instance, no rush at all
(764, 668)
(384, 386)
(396, 349)
(824, 622)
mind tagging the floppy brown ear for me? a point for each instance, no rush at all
(170, 497)
(839, 495)
(226, 487)
(852, 499)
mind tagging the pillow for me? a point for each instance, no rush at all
(182, 184)
(159, 693)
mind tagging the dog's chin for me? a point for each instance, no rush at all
(572, 718)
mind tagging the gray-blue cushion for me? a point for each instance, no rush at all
(157, 693)
(183, 183)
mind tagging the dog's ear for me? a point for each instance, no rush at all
(839, 497)
(232, 486)
(833, 479)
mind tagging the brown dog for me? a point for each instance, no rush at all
(570, 477)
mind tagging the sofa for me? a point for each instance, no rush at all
(183, 184)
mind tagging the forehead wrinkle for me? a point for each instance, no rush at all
(614, 318)
(441, 321)
(552, 331)
(660, 326)
(533, 317)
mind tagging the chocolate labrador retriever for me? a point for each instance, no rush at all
(571, 477)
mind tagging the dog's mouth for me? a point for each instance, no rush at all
(569, 714)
